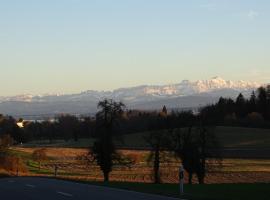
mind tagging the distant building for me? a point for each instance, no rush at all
(20, 124)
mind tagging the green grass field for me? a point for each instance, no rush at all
(197, 192)
(230, 137)
(238, 137)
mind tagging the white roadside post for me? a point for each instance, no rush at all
(181, 180)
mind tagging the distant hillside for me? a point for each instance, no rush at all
(182, 95)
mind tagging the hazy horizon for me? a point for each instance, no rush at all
(132, 86)
(76, 45)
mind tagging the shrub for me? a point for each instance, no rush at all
(12, 164)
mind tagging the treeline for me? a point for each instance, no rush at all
(8, 126)
(63, 127)
(195, 145)
(249, 112)
(187, 136)
(69, 127)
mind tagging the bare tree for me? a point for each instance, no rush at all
(198, 148)
(158, 142)
(5, 142)
(103, 150)
(39, 155)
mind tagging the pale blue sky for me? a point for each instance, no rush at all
(67, 46)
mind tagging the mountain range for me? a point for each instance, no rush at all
(186, 94)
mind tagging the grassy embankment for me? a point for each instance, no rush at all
(197, 192)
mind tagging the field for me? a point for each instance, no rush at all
(71, 166)
(230, 137)
(246, 150)
(243, 170)
(237, 142)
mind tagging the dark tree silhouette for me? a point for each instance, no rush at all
(68, 126)
(164, 110)
(241, 112)
(159, 142)
(8, 126)
(48, 130)
(240, 104)
(268, 101)
(262, 101)
(197, 146)
(103, 150)
(186, 149)
(252, 106)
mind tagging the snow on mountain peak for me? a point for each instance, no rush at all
(185, 94)
(149, 92)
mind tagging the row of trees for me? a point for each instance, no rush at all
(254, 111)
(194, 145)
(69, 127)
(8, 126)
(63, 127)
(168, 134)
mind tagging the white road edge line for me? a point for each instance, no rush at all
(10, 181)
(29, 185)
(65, 194)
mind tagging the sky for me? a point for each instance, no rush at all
(69, 46)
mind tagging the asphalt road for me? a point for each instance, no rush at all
(28, 188)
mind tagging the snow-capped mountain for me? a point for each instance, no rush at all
(183, 94)
(184, 88)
